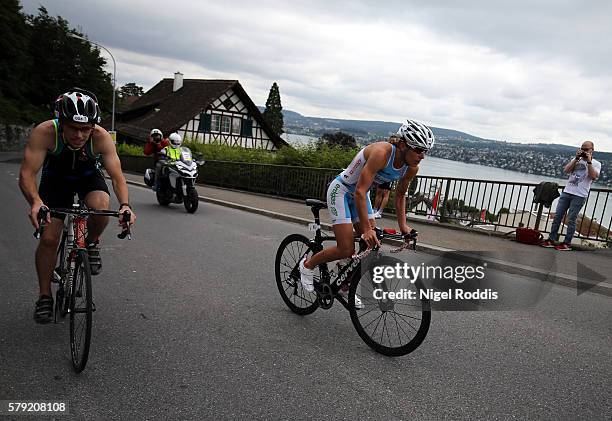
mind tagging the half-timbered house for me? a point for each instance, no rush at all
(202, 110)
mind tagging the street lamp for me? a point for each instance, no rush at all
(114, 73)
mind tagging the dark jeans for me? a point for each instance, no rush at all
(571, 204)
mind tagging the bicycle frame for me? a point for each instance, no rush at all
(346, 272)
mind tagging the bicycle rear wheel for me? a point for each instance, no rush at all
(392, 326)
(81, 308)
(288, 256)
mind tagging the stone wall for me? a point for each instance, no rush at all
(12, 137)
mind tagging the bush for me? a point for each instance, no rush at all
(303, 156)
(132, 150)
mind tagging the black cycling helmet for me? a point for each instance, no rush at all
(79, 106)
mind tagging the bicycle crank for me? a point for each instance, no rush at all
(325, 296)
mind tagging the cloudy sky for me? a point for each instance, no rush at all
(526, 71)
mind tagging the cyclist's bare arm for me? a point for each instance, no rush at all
(105, 146)
(400, 198)
(40, 141)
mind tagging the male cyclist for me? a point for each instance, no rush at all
(348, 201)
(69, 150)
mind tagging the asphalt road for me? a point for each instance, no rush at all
(189, 325)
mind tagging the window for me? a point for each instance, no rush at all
(236, 126)
(247, 128)
(204, 126)
(226, 122)
(215, 123)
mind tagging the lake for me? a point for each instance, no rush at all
(600, 208)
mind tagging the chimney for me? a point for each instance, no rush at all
(178, 81)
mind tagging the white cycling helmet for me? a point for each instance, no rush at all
(156, 132)
(175, 140)
(78, 106)
(416, 135)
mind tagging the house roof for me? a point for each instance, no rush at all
(168, 111)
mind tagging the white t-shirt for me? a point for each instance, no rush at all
(579, 182)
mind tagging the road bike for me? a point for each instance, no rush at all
(73, 294)
(388, 311)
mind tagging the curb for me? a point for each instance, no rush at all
(604, 288)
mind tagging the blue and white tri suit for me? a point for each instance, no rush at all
(341, 191)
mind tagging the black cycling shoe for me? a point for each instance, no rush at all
(43, 312)
(95, 261)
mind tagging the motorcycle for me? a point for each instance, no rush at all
(177, 181)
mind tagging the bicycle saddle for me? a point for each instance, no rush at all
(316, 204)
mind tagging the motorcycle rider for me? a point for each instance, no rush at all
(172, 152)
(155, 144)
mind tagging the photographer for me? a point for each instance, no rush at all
(155, 144)
(583, 170)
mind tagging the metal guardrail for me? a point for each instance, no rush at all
(504, 204)
(459, 200)
(280, 180)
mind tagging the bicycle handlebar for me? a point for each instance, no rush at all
(381, 234)
(42, 216)
(125, 218)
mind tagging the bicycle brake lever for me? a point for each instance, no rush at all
(42, 218)
(127, 216)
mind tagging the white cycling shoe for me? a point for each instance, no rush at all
(306, 276)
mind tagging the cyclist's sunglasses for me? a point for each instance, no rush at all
(419, 150)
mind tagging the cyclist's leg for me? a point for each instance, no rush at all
(338, 203)
(344, 248)
(55, 193)
(96, 196)
(96, 224)
(46, 254)
(94, 192)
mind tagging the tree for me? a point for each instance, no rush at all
(338, 139)
(13, 42)
(40, 60)
(273, 112)
(130, 89)
(60, 62)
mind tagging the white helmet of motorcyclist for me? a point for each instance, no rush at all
(156, 135)
(175, 140)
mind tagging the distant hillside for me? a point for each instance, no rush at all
(533, 158)
(365, 131)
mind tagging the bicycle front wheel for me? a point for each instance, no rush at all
(392, 319)
(291, 250)
(81, 308)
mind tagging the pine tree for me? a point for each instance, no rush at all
(273, 112)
